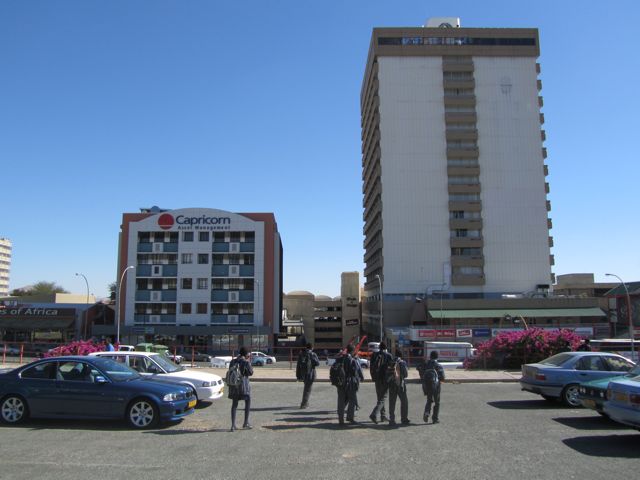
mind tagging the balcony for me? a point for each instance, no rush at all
(460, 117)
(466, 242)
(462, 280)
(247, 247)
(471, 170)
(466, 83)
(154, 319)
(165, 271)
(460, 100)
(156, 295)
(220, 247)
(464, 187)
(463, 152)
(467, 223)
(467, 260)
(469, 206)
(145, 247)
(232, 319)
(460, 134)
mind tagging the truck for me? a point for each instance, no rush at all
(449, 351)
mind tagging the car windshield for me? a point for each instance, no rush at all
(634, 372)
(556, 360)
(116, 371)
(167, 365)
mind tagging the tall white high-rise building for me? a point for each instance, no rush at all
(5, 265)
(455, 197)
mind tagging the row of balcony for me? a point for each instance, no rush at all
(218, 247)
(215, 319)
(216, 271)
(216, 296)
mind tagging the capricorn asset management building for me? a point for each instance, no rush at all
(203, 277)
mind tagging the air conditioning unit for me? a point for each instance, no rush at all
(154, 318)
(233, 296)
(157, 248)
(156, 271)
(234, 247)
(156, 296)
(234, 270)
(232, 318)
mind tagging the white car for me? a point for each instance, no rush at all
(269, 359)
(207, 386)
(364, 363)
(221, 362)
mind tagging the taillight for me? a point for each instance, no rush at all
(634, 399)
(541, 376)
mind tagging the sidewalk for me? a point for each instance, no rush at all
(458, 375)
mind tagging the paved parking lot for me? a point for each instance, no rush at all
(486, 431)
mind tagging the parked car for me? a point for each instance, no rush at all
(623, 401)
(8, 350)
(90, 387)
(269, 358)
(593, 394)
(196, 356)
(364, 363)
(559, 376)
(221, 362)
(207, 386)
(258, 361)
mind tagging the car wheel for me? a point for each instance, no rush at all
(269, 361)
(570, 395)
(142, 413)
(13, 410)
(602, 413)
(549, 398)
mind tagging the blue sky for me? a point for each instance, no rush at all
(253, 106)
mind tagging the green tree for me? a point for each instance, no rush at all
(40, 288)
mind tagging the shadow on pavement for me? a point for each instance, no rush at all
(63, 424)
(614, 446)
(271, 409)
(590, 423)
(526, 405)
(334, 425)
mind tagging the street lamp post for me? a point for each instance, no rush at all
(86, 312)
(124, 272)
(381, 317)
(256, 304)
(629, 315)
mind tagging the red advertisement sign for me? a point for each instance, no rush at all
(446, 333)
(426, 333)
(464, 332)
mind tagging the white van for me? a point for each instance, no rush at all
(449, 351)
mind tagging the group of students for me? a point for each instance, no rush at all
(389, 374)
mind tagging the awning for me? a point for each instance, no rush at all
(36, 323)
(519, 312)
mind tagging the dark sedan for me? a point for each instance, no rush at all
(90, 387)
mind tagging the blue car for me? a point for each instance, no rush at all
(559, 376)
(90, 387)
(623, 401)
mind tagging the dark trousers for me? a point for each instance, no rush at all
(234, 407)
(347, 398)
(306, 393)
(401, 392)
(433, 398)
(381, 393)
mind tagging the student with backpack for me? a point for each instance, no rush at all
(377, 368)
(237, 381)
(395, 376)
(306, 372)
(346, 375)
(431, 374)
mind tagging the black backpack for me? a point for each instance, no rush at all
(430, 381)
(377, 367)
(393, 374)
(234, 375)
(337, 373)
(305, 365)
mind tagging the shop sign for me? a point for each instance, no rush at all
(464, 333)
(47, 335)
(481, 332)
(352, 322)
(446, 333)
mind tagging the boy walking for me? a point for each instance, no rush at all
(306, 372)
(237, 380)
(396, 376)
(377, 369)
(431, 374)
(348, 391)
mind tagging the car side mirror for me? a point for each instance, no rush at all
(100, 379)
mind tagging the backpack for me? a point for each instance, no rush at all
(430, 381)
(393, 374)
(234, 375)
(337, 373)
(305, 365)
(377, 366)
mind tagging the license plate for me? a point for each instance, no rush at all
(620, 397)
(589, 403)
(192, 404)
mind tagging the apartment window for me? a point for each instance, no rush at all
(203, 236)
(218, 237)
(203, 284)
(467, 271)
(201, 308)
(463, 180)
(156, 270)
(203, 258)
(187, 258)
(185, 308)
(172, 284)
(187, 236)
(466, 252)
(187, 283)
(464, 197)
(461, 214)
(234, 237)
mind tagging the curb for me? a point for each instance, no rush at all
(412, 381)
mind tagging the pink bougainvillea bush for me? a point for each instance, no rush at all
(80, 347)
(512, 349)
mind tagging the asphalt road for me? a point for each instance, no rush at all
(487, 431)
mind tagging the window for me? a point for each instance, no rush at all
(203, 258)
(44, 371)
(616, 364)
(592, 362)
(187, 236)
(187, 258)
(203, 284)
(201, 308)
(156, 270)
(203, 236)
(185, 308)
(76, 372)
(187, 283)
(234, 237)
(218, 237)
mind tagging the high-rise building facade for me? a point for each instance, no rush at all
(454, 190)
(5, 265)
(203, 277)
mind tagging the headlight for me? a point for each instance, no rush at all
(602, 394)
(206, 384)
(582, 390)
(170, 397)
